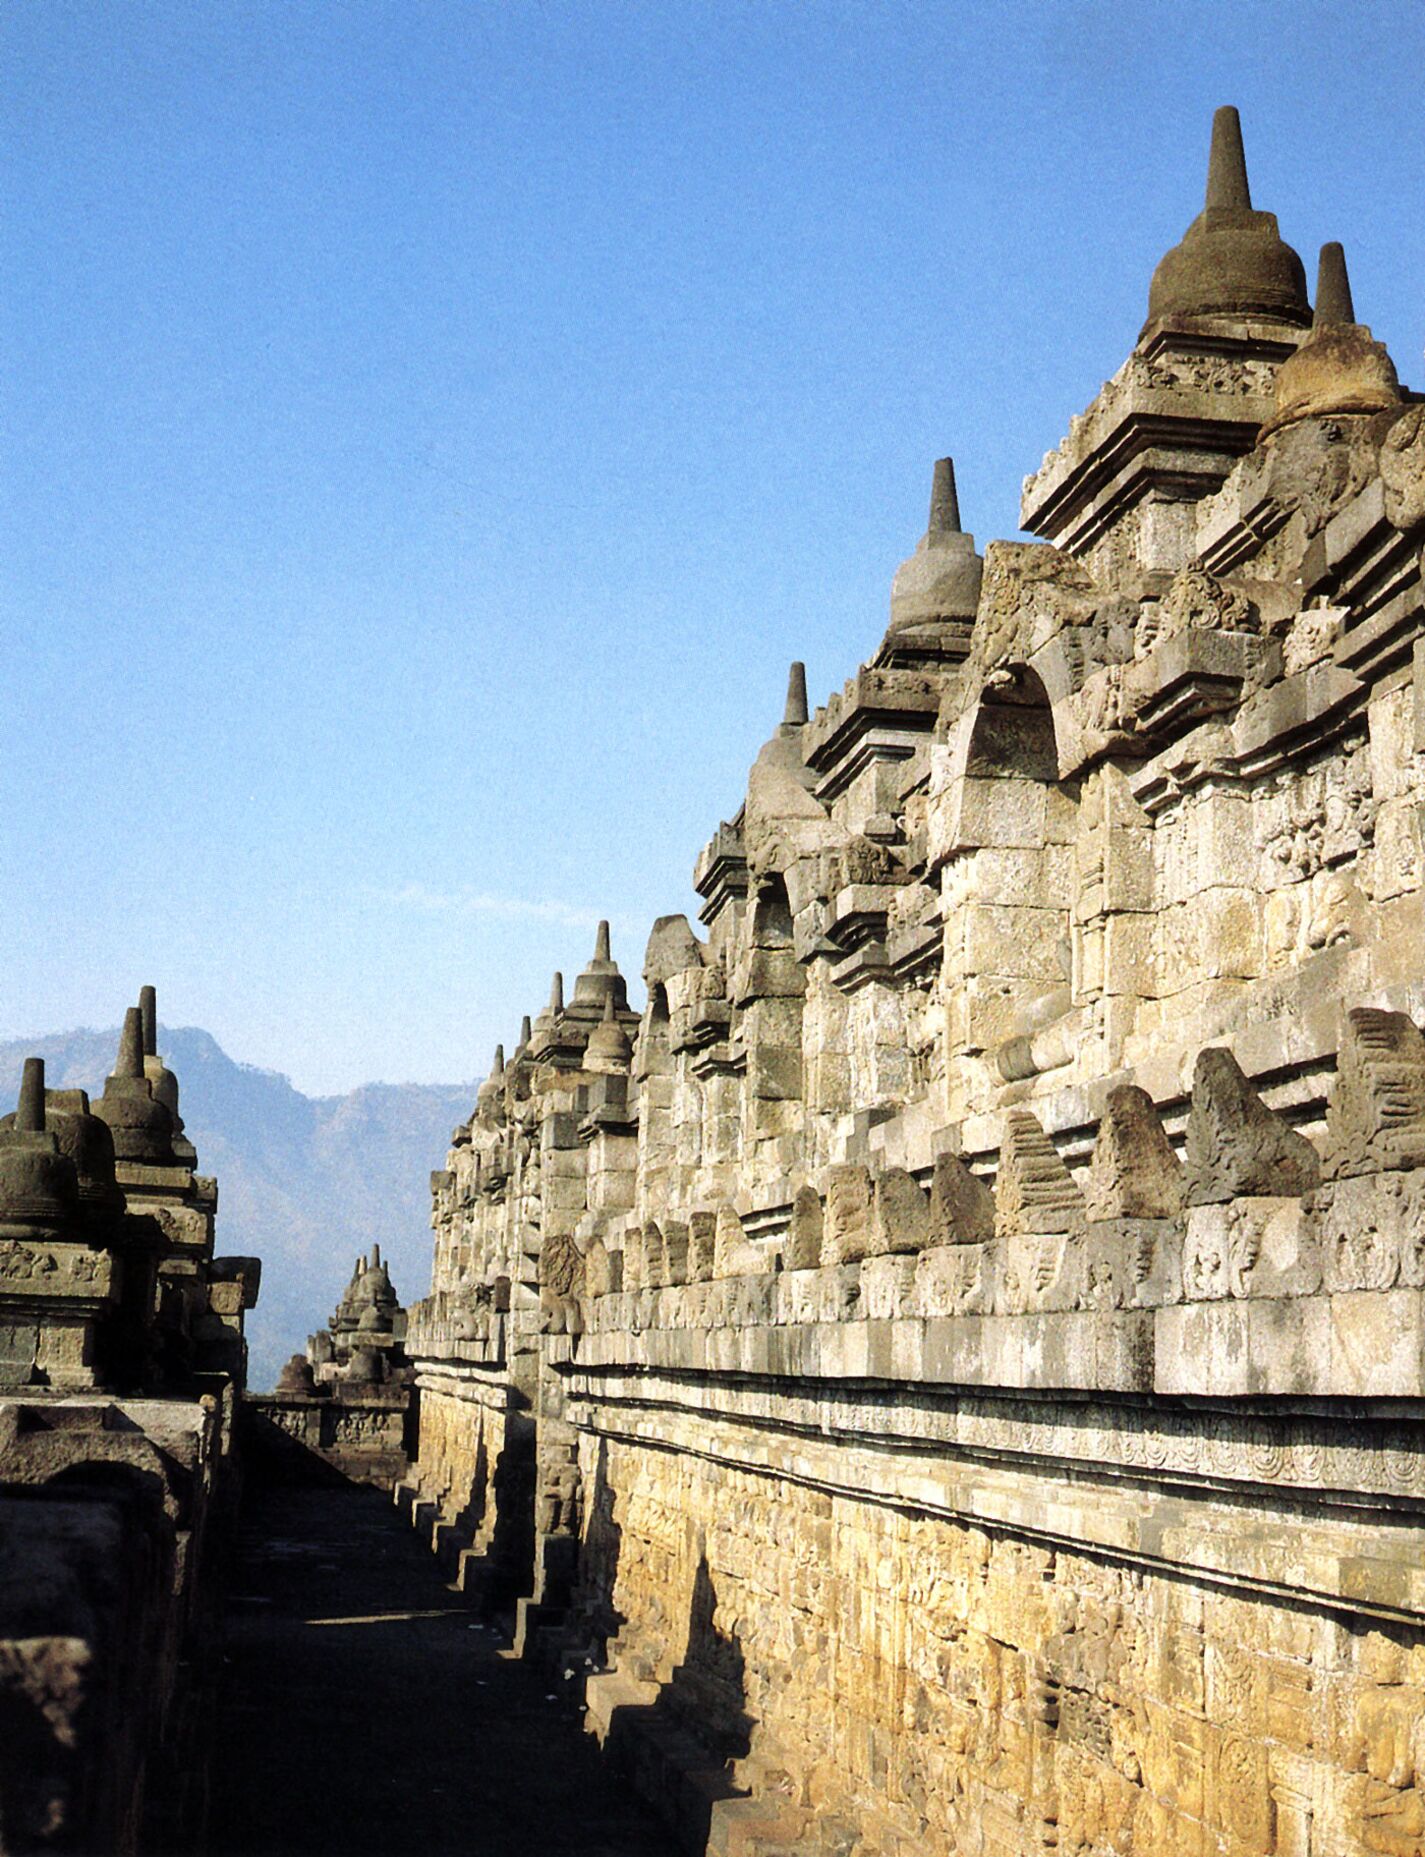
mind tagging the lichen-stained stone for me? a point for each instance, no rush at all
(1235, 1143)
(900, 1214)
(1133, 1173)
(804, 1239)
(962, 1208)
(848, 1214)
(1034, 1190)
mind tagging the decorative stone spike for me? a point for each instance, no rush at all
(1333, 288)
(1134, 1173)
(129, 1062)
(804, 1236)
(796, 711)
(148, 1010)
(30, 1113)
(962, 1208)
(556, 994)
(702, 1246)
(1227, 187)
(526, 1031)
(655, 1258)
(375, 1257)
(1236, 1145)
(601, 943)
(848, 1214)
(944, 500)
(1376, 1119)
(675, 1253)
(635, 1251)
(729, 1244)
(1034, 1190)
(497, 1069)
(900, 1215)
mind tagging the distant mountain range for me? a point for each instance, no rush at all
(304, 1182)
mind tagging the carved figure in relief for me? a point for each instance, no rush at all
(561, 1285)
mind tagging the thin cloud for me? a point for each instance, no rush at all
(422, 897)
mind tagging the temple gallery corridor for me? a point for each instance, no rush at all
(367, 1709)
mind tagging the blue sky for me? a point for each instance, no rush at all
(431, 430)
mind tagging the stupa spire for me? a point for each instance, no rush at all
(1333, 288)
(796, 711)
(944, 501)
(1227, 187)
(30, 1113)
(601, 943)
(148, 1012)
(129, 1062)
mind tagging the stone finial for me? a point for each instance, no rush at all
(962, 1208)
(1228, 190)
(1134, 1173)
(1236, 1145)
(804, 1235)
(796, 711)
(940, 582)
(375, 1257)
(148, 1013)
(1034, 1190)
(609, 1046)
(1231, 261)
(944, 501)
(30, 1111)
(600, 978)
(1340, 368)
(1333, 287)
(297, 1377)
(556, 995)
(526, 1031)
(129, 1062)
(1376, 1118)
(497, 1069)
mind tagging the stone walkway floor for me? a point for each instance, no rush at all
(367, 1710)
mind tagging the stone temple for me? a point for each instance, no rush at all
(946, 1375)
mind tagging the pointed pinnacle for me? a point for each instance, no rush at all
(375, 1256)
(796, 711)
(556, 993)
(148, 1011)
(601, 943)
(526, 1031)
(944, 503)
(1227, 189)
(608, 1009)
(498, 1068)
(129, 1062)
(1333, 288)
(30, 1115)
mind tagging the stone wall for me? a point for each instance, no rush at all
(121, 1361)
(962, 1344)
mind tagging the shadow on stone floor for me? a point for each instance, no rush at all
(366, 1709)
